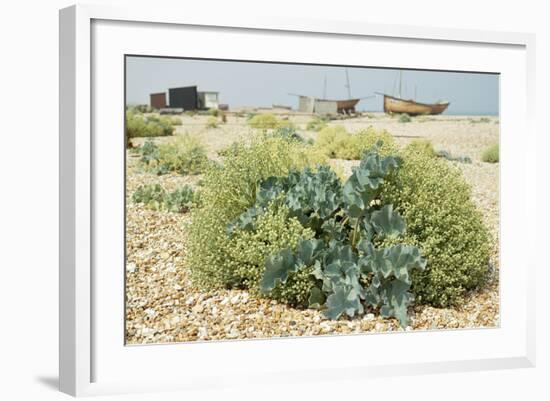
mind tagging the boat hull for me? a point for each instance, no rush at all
(346, 106)
(393, 105)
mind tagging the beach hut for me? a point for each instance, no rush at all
(158, 100)
(207, 100)
(185, 97)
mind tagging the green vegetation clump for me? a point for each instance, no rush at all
(264, 121)
(138, 125)
(336, 142)
(141, 108)
(442, 220)
(317, 124)
(403, 227)
(176, 121)
(491, 154)
(448, 156)
(273, 231)
(212, 122)
(404, 118)
(184, 155)
(426, 147)
(288, 133)
(180, 201)
(346, 264)
(156, 198)
(422, 145)
(227, 190)
(150, 195)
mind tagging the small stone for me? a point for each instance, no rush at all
(325, 326)
(233, 333)
(131, 267)
(369, 316)
(203, 332)
(197, 309)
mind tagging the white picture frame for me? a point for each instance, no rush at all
(93, 358)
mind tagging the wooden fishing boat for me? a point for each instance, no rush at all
(310, 104)
(346, 106)
(395, 105)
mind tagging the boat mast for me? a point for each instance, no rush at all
(400, 81)
(325, 88)
(348, 84)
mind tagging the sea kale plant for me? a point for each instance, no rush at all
(355, 257)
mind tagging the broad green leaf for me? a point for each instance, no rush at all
(387, 222)
(308, 250)
(396, 298)
(316, 298)
(245, 221)
(277, 269)
(344, 300)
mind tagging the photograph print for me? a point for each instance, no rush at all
(268, 200)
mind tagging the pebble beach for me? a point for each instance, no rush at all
(164, 306)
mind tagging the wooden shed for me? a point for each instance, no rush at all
(158, 100)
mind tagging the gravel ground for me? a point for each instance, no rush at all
(163, 305)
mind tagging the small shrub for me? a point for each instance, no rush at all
(176, 121)
(448, 156)
(212, 122)
(150, 195)
(286, 123)
(317, 124)
(491, 154)
(139, 126)
(141, 108)
(422, 145)
(228, 190)
(156, 198)
(149, 152)
(214, 112)
(274, 230)
(404, 118)
(264, 121)
(336, 142)
(223, 117)
(435, 201)
(179, 201)
(426, 147)
(347, 263)
(185, 155)
(287, 133)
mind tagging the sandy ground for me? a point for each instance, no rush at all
(163, 305)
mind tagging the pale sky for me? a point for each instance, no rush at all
(265, 84)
